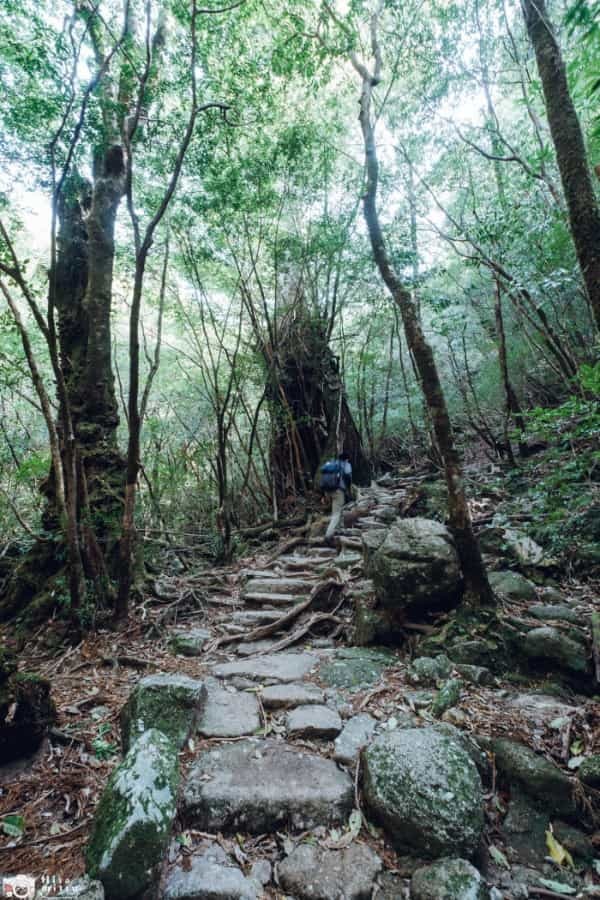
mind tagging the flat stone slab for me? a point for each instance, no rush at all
(356, 734)
(314, 721)
(262, 786)
(252, 618)
(355, 667)
(285, 696)
(251, 648)
(262, 597)
(280, 585)
(209, 875)
(275, 667)
(313, 873)
(229, 713)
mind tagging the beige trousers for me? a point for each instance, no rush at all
(337, 504)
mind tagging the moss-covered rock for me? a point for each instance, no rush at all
(512, 585)
(429, 670)
(589, 771)
(447, 697)
(426, 792)
(190, 642)
(353, 668)
(413, 565)
(448, 879)
(550, 646)
(475, 674)
(170, 703)
(26, 711)
(133, 820)
(537, 776)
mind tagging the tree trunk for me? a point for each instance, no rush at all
(311, 417)
(567, 136)
(476, 581)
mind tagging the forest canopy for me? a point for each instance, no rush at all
(216, 274)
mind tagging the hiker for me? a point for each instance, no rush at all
(336, 479)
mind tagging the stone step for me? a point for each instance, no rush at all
(269, 669)
(307, 562)
(228, 713)
(280, 585)
(264, 786)
(260, 598)
(253, 618)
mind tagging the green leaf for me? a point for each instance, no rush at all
(13, 826)
(499, 857)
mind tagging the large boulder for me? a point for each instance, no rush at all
(170, 703)
(26, 709)
(133, 821)
(448, 879)
(426, 791)
(414, 566)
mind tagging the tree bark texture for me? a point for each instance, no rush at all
(567, 136)
(311, 418)
(476, 581)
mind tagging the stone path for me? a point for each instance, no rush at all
(269, 801)
(297, 781)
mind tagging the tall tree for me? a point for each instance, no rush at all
(476, 581)
(582, 205)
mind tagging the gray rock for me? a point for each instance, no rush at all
(277, 667)
(260, 786)
(475, 674)
(190, 642)
(81, 889)
(413, 565)
(261, 871)
(525, 828)
(251, 648)
(284, 696)
(313, 873)
(170, 703)
(425, 790)
(429, 670)
(133, 820)
(469, 745)
(314, 721)
(210, 876)
(391, 887)
(353, 668)
(512, 585)
(228, 713)
(556, 612)
(548, 644)
(538, 776)
(356, 734)
(448, 879)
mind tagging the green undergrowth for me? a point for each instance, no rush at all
(558, 491)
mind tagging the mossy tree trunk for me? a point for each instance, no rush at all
(567, 136)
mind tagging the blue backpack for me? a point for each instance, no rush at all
(331, 475)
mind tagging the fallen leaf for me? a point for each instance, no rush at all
(559, 854)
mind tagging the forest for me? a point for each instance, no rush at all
(245, 247)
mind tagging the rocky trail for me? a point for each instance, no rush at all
(277, 749)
